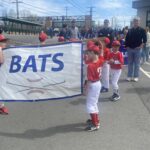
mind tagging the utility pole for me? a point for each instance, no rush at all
(66, 8)
(91, 15)
(17, 7)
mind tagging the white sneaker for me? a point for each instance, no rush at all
(136, 79)
(129, 79)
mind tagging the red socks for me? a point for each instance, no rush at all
(95, 119)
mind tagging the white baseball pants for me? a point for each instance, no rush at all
(115, 75)
(93, 92)
(105, 75)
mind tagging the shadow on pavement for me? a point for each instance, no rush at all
(43, 133)
(139, 90)
(106, 99)
(83, 100)
(79, 101)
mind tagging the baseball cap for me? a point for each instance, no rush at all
(116, 43)
(2, 38)
(61, 39)
(94, 48)
(106, 40)
(90, 43)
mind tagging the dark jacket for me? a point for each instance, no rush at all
(66, 33)
(107, 32)
(135, 37)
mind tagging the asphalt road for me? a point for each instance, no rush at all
(59, 125)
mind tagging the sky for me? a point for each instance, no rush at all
(102, 9)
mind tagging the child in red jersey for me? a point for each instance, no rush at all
(3, 109)
(94, 65)
(116, 61)
(43, 37)
(106, 66)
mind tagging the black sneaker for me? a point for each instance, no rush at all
(116, 97)
(91, 128)
(113, 96)
(89, 123)
(103, 90)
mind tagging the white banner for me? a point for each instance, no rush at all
(41, 73)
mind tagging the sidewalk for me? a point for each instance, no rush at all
(19, 39)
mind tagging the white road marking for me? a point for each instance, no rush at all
(147, 63)
(145, 72)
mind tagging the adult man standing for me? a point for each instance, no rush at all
(134, 42)
(65, 32)
(74, 30)
(106, 31)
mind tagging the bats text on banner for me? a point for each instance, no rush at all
(16, 63)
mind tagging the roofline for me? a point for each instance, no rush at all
(20, 21)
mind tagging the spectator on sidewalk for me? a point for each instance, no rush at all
(135, 40)
(106, 31)
(74, 30)
(146, 49)
(65, 32)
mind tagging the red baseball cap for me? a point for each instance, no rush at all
(61, 39)
(94, 48)
(106, 40)
(42, 37)
(90, 43)
(116, 43)
(2, 38)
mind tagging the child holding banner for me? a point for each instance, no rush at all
(95, 63)
(3, 109)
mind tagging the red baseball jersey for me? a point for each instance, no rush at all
(94, 70)
(118, 60)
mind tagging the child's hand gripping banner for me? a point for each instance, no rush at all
(41, 73)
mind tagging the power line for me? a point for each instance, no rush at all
(5, 3)
(39, 7)
(37, 10)
(75, 6)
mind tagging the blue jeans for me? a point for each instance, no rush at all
(145, 54)
(134, 56)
